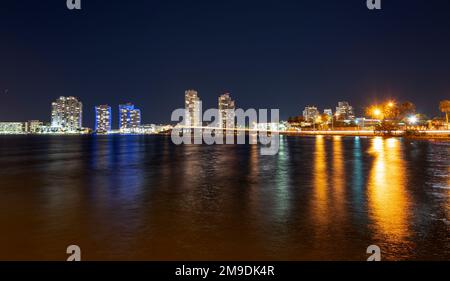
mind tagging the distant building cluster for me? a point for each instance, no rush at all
(344, 112)
(67, 118)
(311, 115)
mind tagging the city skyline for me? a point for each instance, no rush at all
(249, 135)
(301, 108)
(286, 62)
(67, 115)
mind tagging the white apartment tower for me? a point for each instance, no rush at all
(226, 111)
(103, 119)
(67, 114)
(193, 106)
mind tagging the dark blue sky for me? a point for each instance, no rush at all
(268, 54)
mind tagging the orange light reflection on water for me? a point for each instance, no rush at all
(389, 205)
(320, 182)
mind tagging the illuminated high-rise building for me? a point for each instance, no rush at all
(193, 106)
(226, 111)
(67, 114)
(311, 113)
(103, 119)
(129, 117)
(344, 111)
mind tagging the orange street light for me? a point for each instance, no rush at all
(377, 112)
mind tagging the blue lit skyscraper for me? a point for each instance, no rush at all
(129, 117)
(103, 119)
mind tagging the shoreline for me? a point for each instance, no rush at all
(443, 136)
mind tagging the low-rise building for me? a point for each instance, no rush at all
(12, 128)
(33, 126)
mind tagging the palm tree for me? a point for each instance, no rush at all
(405, 109)
(444, 106)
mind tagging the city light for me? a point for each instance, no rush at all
(66, 118)
(377, 112)
(412, 119)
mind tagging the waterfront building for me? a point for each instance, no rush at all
(33, 126)
(47, 129)
(129, 117)
(226, 111)
(271, 126)
(146, 129)
(310, 114)
(67, 114)
(193, 109)
(366, 123)
(103, 119)
(344, 111)
(161, 128)
(12, 128)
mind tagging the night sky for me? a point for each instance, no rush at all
(268, 54)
